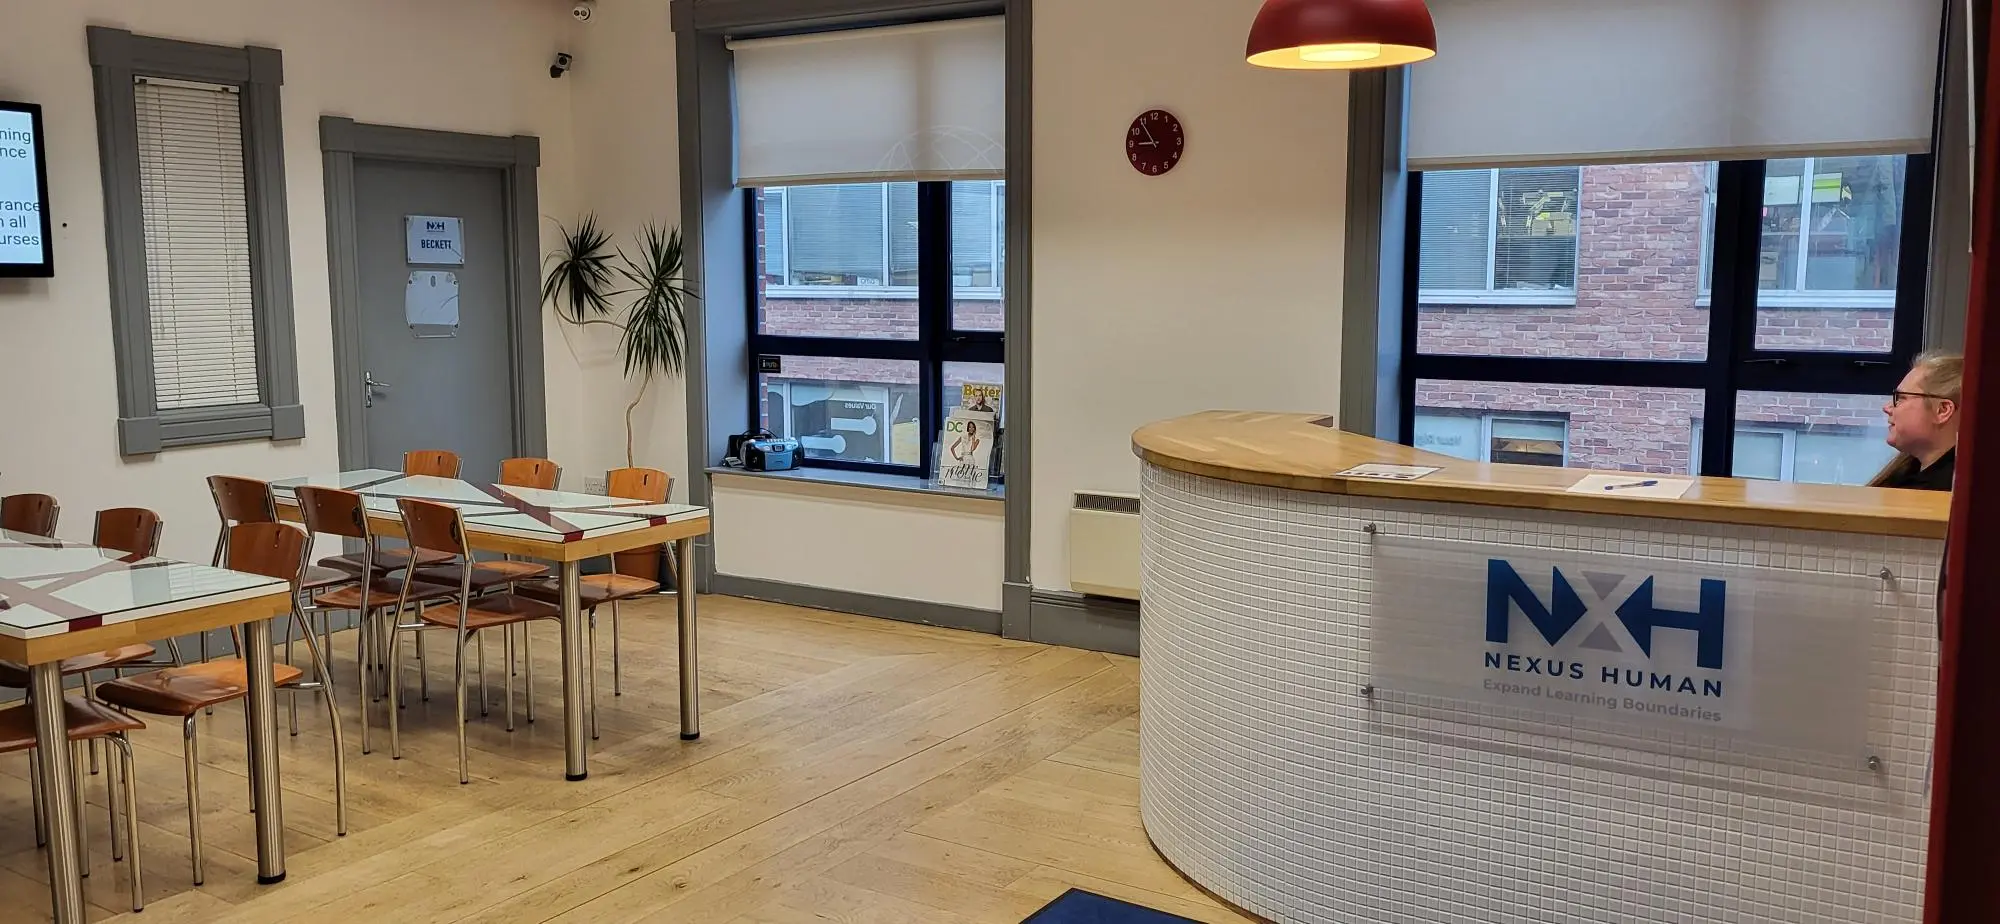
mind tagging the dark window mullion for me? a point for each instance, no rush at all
(842, 347)
(933, 305)
(1732, 320)
(1914, 262)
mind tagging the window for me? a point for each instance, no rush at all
(1792, 268)
(1500, 236)
(876, 303)
(194, 202)
(1526, 440)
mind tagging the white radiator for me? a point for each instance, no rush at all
(1104, 544)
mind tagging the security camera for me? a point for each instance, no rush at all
(583, 10)
(561, 65)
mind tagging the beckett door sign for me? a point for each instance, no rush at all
(436, 240)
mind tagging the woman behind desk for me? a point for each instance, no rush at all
(1923, 424)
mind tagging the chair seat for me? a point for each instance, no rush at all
(184, 691)
(386, 560)
(14, 674)
(318, 578)
(487, 612)
(85, 719)
(384, 593)
(485, 574)
(592, 590)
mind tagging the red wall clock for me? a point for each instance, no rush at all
(1155, 142)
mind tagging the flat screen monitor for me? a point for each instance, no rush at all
(24, 193)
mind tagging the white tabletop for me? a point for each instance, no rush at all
(501, 510)
(49, 587)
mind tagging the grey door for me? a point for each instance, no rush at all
(436, 386)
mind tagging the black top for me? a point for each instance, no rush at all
(1935, 478)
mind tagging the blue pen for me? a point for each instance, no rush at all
(1632, 484)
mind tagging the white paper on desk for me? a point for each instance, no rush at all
(1390, 472)
(1631, 485)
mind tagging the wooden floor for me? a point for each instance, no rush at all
(850, 769)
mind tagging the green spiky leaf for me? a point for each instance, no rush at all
(655, 339)
(580, 280)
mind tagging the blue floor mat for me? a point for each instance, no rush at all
(1079, 907)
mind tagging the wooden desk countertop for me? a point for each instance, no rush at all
(1303, 451)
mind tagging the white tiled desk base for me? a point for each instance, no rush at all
(1270, 779)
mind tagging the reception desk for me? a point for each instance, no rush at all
(1477, 696)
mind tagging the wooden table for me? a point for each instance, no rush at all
(558, 526)
(61, 599)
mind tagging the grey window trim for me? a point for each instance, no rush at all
(519, 158)
(1371, 337)
(116, 58)
(711, 210)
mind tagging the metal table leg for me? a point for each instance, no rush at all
(58, 802)
(264, 787)
(690, 670)
(577, 759)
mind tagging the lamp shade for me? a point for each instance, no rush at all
(1341, 34)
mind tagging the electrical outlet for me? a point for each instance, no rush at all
(593, 485)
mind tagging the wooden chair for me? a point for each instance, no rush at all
(442, 463)
(240, 500)
(439, 527)
(530, 473)
(87, 721)
(629, 575)
(275, 550)
(136, 532)
(35, 514)
(371, 595)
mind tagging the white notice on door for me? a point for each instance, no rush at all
(435, 239)
(431, 299)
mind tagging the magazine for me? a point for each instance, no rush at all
(981, 396)
(965, 449)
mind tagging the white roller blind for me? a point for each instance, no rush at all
(1599, 81)
(926, 102)
(197, 244)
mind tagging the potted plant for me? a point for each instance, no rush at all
(587, 282)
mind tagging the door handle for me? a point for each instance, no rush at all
(368, 386)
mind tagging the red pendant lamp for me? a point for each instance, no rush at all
(1341, 34)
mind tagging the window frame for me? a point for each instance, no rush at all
(1490, 296)
(788, 290)
(936, 344)
(1734, 362)
(117, 58)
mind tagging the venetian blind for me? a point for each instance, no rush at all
(197, 228)
(923, 102)
(1598, 81)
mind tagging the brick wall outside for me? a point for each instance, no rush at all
(1640, 230)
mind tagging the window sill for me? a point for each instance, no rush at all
(907, 484)
(174, 429)
(1445, 299)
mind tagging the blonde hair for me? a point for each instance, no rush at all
(1943, 376)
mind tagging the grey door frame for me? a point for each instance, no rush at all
(341, 141)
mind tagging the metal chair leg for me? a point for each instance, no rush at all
(361, 681)
(191, 752)
(90, 693)
(76, 750)
(507, 681)
(325, 673)
(290, 630)
(590, 676)
(111, 787)
(479, 641)
(617, 686)
(129, 771)
(464, 776)
(423, 670)
(395, 689)
(528, 667)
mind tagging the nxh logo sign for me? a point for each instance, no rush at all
(434, 227)
(1554, 619)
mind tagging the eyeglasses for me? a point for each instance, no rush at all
(1896, 397)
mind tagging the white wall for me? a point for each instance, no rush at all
(1214, 286)
(463, 65)
(934, 548)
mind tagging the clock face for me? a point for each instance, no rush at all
(1155, 142)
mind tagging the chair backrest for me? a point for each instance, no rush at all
(242, 500)
(132, 530)
(275, 550)
(431, 526)
(646, 484)
(440, 462)
(30, 513)
(530, 473)
(333, 511)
